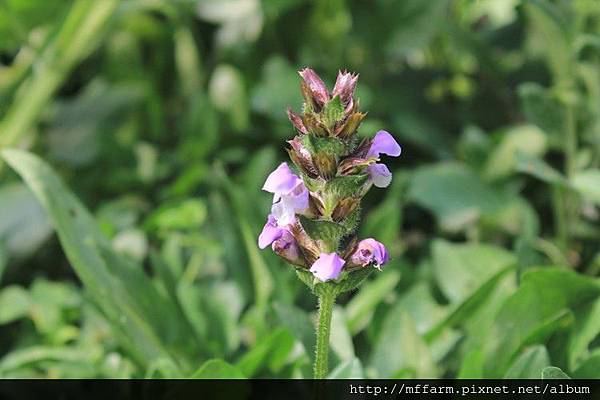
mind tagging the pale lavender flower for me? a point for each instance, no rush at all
(270, 232)
(290, 196)
(383, 143)
(328, 266)
(370, 251)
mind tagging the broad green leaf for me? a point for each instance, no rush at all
(589, 368)
(362, 306)
(399, 350)
(14, 303)
(526, 139)
(277, 90)
(460, 269)
(588, 184)
(454, 193)
(271, 352)
(538, 168)
(542, 108)
(351, 369)
(217, 369)
(585, 330)
(23, 224)
(529, 364)
(539, 307)
(554, 373)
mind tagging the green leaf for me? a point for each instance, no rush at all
(454, 193)
(542, 108)
(14, 304)
(540, 306)
(361, 307)
(554, 373)
(585, 330)
(23, 224)
(588, 184)
(461, 269)
(272, 352)
(526, 139)
(218, 369)
(342, 345)
(399, 350)
(529, 364)
(538, 168)
(127, 299)
(589, 368)
(351, 369)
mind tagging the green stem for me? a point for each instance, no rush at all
(326, 302)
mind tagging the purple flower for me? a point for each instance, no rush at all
(315, 85)
(370, 251)
(287, 248)
(328, 266)
(380, 175)
(383, 143)
(271, 232)
(289, 194)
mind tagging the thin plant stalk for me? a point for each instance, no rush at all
(326, 302)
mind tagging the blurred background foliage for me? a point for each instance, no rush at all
(163, 118)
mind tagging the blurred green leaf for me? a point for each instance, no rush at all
(539, 307)
(14, 304)
(554, 373)
(399, 350)
(23, 224)
(217, 369)
(454, 193)
(361, 307)
(588, 184)
(529, 364)
(351, 369)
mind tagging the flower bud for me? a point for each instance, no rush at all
(296, 121)
(301, 158)
(344, 86)
(344, 208)
(314, 88)
(326, 164)
(287, 248)
(349, 126)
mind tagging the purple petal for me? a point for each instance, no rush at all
(384, 143)
(328, 266)
(370, 251)
(281, 181)
(271, 232)
(380, 175)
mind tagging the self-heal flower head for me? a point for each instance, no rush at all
(328, 266)
(290, 196)
(383, 143)
(370, 252)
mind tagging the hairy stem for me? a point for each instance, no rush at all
(326, 302)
